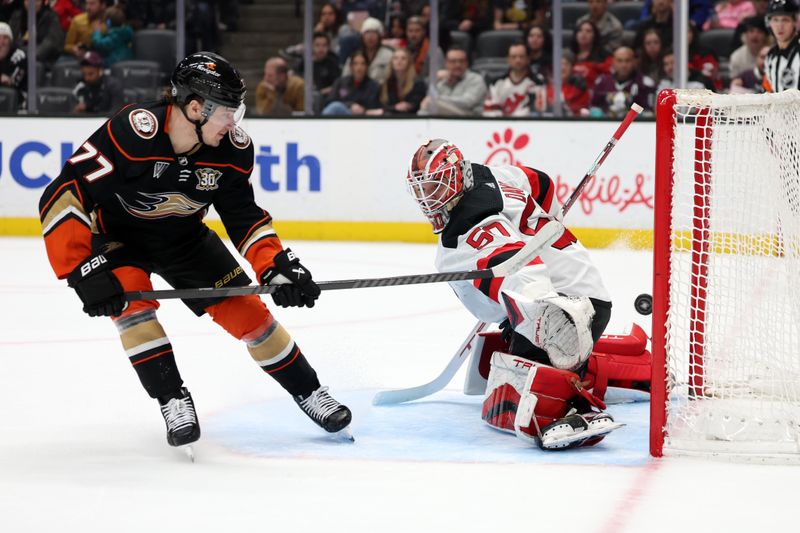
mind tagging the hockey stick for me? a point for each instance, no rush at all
(390, 397)
(441, 381)
(548, 234)
(633, 112)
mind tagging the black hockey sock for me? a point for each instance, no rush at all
(296, 376)
(158, 371)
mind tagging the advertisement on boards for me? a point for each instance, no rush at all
(354, 170)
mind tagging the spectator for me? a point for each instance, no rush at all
(518, 14)
(540, 50)
(754, 38)
(752, 81)
(695, 79)
(330, 20)
(13, 64)
(279, 93)
(660, 19)
(66, 11)
(651, 55)
(575, 95)
(326, 64)
(402, 92)
(729, 13)
(591, 59)
(49, 35)
(699, 11)
(96, 93)
(419, 47)
(228, 14)
(761, 12)
(514, 94)
(609, 26)
(202, 30)
(397, 32)
(79, 35)
(378, 55)
(615, 92)
(460, 91)
(7, 8)
(355, 93)
(150, 13)
(469, 16)
(703, 59)
(116, 43)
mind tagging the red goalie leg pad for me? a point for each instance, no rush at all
(492, 342)
(554, 388)
(620, 361)
(500, 407)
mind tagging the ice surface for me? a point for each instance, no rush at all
(82, 448)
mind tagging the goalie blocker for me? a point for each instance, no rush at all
(544, 405)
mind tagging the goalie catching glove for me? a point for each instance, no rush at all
(559, 325)
(295, 286)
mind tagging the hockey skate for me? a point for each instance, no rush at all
(181, 419)
(326, 412)
(576, 430)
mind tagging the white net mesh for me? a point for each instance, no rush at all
(733, 326)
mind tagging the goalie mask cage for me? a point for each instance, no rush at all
(726, 285)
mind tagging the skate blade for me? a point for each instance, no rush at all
(566, 440)
(188, 451)
(344, 435)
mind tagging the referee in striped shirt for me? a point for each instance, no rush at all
(782, 66)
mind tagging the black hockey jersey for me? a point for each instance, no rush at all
(127, 182)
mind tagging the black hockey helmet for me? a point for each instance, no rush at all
(209, 76)
(781, 7)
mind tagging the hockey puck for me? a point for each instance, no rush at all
(643, 304)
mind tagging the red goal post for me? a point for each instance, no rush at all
(726, 284)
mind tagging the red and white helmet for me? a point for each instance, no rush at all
(437, 177)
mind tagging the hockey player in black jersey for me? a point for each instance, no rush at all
(131, 201)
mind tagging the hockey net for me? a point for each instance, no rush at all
(726, 295)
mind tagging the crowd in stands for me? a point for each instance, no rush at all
(608, 62)
(372, 57)
(85, 49)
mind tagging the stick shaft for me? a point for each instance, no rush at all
(544, 237)
(621, 129)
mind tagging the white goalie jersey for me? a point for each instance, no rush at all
(491, 222)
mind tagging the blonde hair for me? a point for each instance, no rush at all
(408, 78)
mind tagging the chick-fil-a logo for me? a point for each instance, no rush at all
(603, 190)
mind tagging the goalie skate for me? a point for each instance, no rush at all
(326, 412)
(576, 430)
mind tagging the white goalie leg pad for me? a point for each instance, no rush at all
(560, 325)
(508, 404)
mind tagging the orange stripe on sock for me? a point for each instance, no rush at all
(152, 357)
(296, 353)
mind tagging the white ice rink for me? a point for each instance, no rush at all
(83, 449)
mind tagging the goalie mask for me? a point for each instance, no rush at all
(437, 177)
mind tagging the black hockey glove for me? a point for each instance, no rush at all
(295, 286)
(98, 287)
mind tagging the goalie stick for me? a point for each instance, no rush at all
(548, 234)
(390, 397)
(441, 381)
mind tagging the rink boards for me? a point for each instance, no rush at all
(338, 179)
